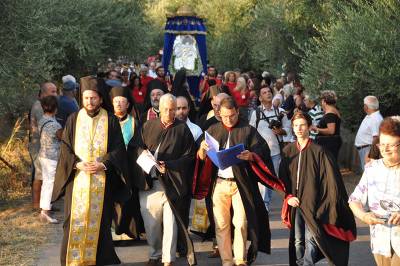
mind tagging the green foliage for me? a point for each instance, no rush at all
(349, 46)
(358, 56)
(46, 39)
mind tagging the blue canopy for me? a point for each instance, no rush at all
(186, 25)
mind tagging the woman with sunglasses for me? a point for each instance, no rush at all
(376, 199)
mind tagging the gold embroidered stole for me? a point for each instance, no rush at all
(88, 193)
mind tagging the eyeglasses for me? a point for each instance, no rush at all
(390, 146)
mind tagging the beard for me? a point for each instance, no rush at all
(155, 104)
(92, 112)
(181, 117)
(120, 113)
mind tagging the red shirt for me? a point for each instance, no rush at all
(230, 85)
(242, 100)
(139, 94)
(206, 87)
(145, 80)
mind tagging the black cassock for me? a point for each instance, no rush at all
(247, 181)
(127, 217)
(323, 200)
(116, 188)
(177, 149)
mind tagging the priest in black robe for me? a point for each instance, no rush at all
(164, 188)
(91, 175)
(321, 222)
(127, 218)
(254, 226)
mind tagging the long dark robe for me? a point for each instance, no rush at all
(323, 200)
(247, 181)
(128, 219)
(116, 190)
(177, 150)
(179, 88)
(205, 123)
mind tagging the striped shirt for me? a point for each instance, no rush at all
(316, 114)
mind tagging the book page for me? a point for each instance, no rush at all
(211, 142)
(146, 161)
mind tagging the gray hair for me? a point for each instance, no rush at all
(371, 102)
(167, 98)
(45, 86)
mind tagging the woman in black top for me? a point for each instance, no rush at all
(329, 126)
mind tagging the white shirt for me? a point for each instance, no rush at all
(368, 129)
(380, 183)
(152, 73)
(227, 172)
(266, 132)
(194, 129)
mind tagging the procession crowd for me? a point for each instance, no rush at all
(129, 150)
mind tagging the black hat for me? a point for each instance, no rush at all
(119, 91)
(90, 83)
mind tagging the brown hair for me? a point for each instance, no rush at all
(266, 87)
(329, 97)
(49, 104)
(390, 126)
(229, 103)
(302, 115)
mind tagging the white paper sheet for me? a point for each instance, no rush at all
(211, 142)
(146, 161)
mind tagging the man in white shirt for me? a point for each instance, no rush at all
(152, 70)
(182, 112)
(264, 119)
(369, 128)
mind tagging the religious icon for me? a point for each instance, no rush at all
(185, 53)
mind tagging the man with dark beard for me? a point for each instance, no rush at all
(91, 174)
(153, 112)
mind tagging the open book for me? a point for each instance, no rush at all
(146, 161)
(224, 158)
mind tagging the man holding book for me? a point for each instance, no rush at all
(236, 187)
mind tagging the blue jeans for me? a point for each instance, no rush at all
(266, 193)
(363, 153)
(305, 245)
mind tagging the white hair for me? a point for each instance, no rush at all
(371, 102)
(167, 98)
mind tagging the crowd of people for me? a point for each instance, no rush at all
(129, 153)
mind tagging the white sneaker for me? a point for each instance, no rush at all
(46, 218)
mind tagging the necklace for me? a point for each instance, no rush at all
(390, 165)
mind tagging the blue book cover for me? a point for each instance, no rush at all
(226, 158)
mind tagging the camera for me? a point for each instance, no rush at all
(276, 123)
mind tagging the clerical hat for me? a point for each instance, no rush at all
(89, 83)
(119, 91)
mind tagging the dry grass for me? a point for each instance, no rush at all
(14, 182)
(21, 233)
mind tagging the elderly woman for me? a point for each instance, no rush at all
(328, 128)
(376, 199)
